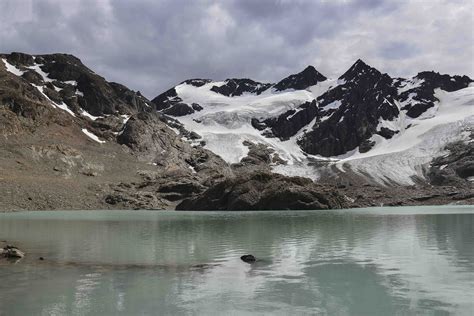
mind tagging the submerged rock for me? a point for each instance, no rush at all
(248, 258)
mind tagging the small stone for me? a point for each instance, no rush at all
(248, 258)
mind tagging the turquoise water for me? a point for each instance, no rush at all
(379, 261)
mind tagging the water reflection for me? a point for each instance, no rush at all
(329, 263)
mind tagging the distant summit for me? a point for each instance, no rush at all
(360, 69)
(302, 80)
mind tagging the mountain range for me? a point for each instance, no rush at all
(73, 140)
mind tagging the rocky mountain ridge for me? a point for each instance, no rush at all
(351, 116)
(73, 140)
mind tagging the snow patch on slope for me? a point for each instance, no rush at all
(92, 136)
(404, 156)
(11, 68)
(62, 105)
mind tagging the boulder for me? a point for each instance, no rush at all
(11, 252)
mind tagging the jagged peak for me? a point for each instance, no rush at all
(360, 68)
(238, 86)
(308, 68)
(302, 80)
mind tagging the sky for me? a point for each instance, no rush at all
(151, 45)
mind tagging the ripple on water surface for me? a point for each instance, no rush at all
(367, 261)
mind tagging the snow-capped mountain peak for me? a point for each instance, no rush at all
(307, 116)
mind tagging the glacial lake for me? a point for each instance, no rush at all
(377, 261)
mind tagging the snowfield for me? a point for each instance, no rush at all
(225, 123)
(407, 154)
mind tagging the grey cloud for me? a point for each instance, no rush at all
(151, 45)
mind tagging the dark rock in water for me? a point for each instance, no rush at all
(236, 87)
(300, 81)
(248, 258)
(41, 258)
(11, 252)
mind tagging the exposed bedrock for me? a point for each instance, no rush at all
(265, 191)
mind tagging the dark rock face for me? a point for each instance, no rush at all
(350, 112)
(178, 109)
(386, 133)
(236, 87)
(300, 81)
(97, 96)
(33, 77)
(166, 100)
(265, 191)
(290, 122)
(19, 59)
(422, 98)
(455, 168)
(197, 82)
(366, 145)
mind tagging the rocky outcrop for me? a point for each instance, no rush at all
(259, 158)
(300, 81)
(178, 109)
(421, 97)
(182, 170)
(289, 123)
(265, 191)
(11, 252)
(166, 100)
(454, 168)
(236, 87)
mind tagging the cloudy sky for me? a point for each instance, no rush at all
(150, 45)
